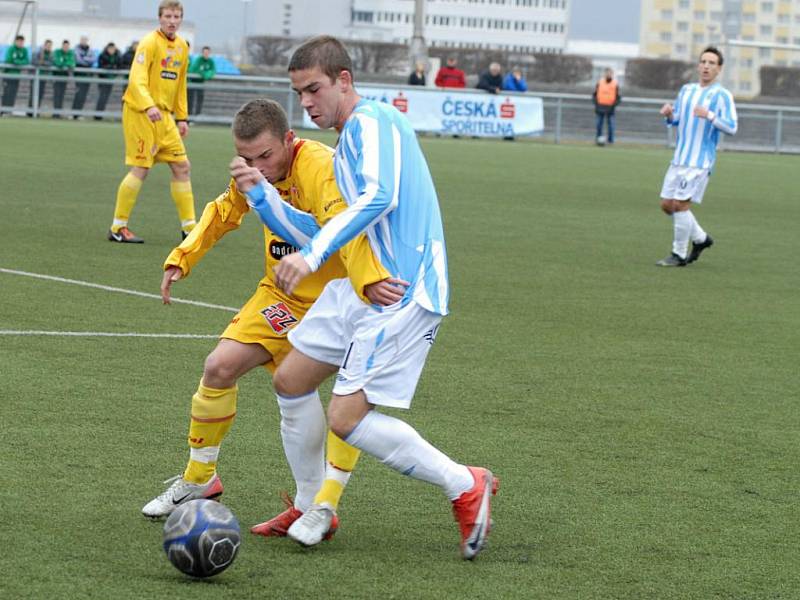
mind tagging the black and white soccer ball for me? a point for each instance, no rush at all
(201, 538)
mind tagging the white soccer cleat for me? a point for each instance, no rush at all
(181, 492)
(318, 523)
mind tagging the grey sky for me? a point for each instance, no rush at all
(606, 20)
(218, 22)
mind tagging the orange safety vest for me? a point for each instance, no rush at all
(607, 92)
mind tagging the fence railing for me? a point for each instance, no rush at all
(567, 117)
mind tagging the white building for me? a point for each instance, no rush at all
(60, 20)
(514, 25)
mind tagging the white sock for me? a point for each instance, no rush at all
(682, 225)
(398, 445)
(303, 430)
(697, 234)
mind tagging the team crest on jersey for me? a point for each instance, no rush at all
(279, 317)
(140, 58)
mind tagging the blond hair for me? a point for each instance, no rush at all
(164, 4)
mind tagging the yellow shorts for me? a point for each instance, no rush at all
(266, 319)
(147, 142)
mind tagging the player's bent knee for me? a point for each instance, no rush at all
(219, 372)
(286, 385)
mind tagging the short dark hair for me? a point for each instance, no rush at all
(206, 48)
(19, 37)
(713, 50)
(65, 42)
(325, 52)
(258, 116)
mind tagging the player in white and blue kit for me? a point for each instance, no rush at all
(701, 111)
(377, 352)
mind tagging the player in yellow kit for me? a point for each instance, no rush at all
(154, 114)
(302, 172)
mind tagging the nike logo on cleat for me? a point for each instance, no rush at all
(181, 499)
(116, 236)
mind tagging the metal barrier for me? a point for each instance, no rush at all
(568, 117)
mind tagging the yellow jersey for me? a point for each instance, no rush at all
(158, 75)
(309, 186)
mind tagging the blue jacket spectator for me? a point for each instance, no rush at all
(514, 81)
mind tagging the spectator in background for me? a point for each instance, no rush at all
(63, 63)
(203, 68)
(127, 58)
(85, 58)
(606, 97)
(514, 81)
(491, 80)
(450, 76)
(417, 76)
(111, 60)
(15, 55)
(43, 59)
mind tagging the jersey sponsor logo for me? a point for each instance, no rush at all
(279, 317)
(278, 250)
(169, 75)
(331, 204)
(140, 58)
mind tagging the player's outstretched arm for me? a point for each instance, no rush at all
(171, 275)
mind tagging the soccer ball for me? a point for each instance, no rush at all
(601, 140)
(201, 538)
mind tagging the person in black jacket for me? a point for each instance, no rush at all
(417, 77)
(110, 59)
(130, 54)
(491, 80)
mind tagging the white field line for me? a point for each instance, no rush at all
(108, 334)
(108, 288)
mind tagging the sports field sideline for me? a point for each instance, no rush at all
(643, 421)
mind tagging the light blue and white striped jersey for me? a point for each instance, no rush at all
(696, 144)
(384, 178)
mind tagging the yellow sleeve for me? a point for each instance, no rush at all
(138, 93)
(181, 101)
(362, 266)
(219, 217)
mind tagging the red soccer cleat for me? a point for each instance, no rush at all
(278, 526)
(473, 511)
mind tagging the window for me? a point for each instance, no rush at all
(748, 17)
(666, 15)
(783, 18)
(683, 4)
(683, 26)
(765, 29)
(697, 38)
(745, 86)
(747, 62)
(699, 15)
(767, 6)
(680, 48)
(665, 36)
(764, 52)
(781, 39)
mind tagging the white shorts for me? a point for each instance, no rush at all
(380, 352)
(685, 183)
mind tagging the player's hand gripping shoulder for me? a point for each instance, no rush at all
(246, 177)
(171, 275)
(386, 292)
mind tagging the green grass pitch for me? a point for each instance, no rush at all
(643, 421)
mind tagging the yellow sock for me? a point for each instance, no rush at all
(184, 202)
(342, 459)
(127, 193)
(213, 412)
